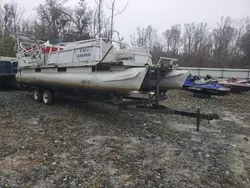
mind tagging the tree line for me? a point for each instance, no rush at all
(194, 44)
(226, 45)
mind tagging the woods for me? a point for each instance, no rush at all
(226, 45)
(194, 44)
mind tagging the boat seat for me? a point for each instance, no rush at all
(202, 81)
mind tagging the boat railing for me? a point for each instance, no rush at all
(168, 64)
(93, 45)
(74, 49)
(24, 51)
(27, 49)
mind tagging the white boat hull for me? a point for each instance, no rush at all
(174, 80)
(119, 81)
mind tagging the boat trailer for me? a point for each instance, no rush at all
(138, 105)
(165, 110)
(149, 102)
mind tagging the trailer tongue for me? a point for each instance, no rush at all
(165, 110)
(150, 105)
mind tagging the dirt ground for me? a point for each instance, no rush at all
(75, 144)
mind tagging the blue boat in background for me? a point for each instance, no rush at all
(204, 87)
(8, 70)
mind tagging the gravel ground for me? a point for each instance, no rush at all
(75, 144)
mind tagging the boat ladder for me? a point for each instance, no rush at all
(154, 93)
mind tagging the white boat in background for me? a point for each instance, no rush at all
(175, 78)
(170, 76)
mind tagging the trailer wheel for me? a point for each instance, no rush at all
(37, 95)
(48, 97)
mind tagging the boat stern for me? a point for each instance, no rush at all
(175, 79)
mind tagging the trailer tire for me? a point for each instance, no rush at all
(37, 95)
(48, 97)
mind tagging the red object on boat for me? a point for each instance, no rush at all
(50, 49)
(45, 50)
(234, 79)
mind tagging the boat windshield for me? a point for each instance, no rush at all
(166, 61)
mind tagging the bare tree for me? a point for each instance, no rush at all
(11, 15)
(51, 16)
(235, 51)
(188, 38)
(100, 22)
(114, 13)
(146, 36)
(245, 45)
(141, 38)
(200, 43)
(151, 36)
(173, 39)
(200, 37)
(99, 15)
(27, 27)
(176, 37)
(222, 37)
(168, 40)
(80, 17)
(12, 18)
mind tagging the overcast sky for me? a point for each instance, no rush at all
(161, 14)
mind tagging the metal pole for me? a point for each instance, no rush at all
(198, 120)
(157, 86)
(112, 20)
(149, 87)
(99, 18)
